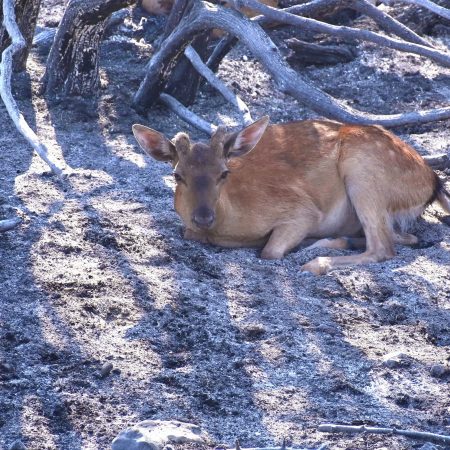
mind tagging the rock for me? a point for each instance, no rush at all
(106, 369)
(17, 445)
(396, 359)
(155, 434)
(439, 370)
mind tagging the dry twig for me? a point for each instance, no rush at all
(218, 84)
(18, 43)
(186, 114)
(432, 437)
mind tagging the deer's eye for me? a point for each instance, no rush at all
(224, 174)
(177, 177)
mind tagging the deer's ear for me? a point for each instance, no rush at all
(154, 143)
(242, 142)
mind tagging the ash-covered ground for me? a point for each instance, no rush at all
(248, 349)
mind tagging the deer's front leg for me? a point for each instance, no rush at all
(192, 235)
(283, 239)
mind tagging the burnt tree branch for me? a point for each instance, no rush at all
(205, 16)
(218, 84)
(319, 8)
(427, 4)
(344, 32)
(187, 115)
(431, 437)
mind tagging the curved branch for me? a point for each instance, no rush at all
(347, 32)
(218, 84)
(205, 15)
(18, 43)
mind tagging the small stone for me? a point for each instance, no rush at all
(327, 329)
(428, 446)
(106, 369)
(396, 360)
(438, 370)
(17, 445)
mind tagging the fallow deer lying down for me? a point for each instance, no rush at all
(274, 186)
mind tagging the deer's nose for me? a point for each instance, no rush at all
(203, 217)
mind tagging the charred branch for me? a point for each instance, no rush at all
(218, 84)
(187, 115)
(431, 437)
(427, 4)
(387, 23)
(179, 9)
(319, 8)
(17, 44)
(205, 15)
(220, 51)
(307, 53)
(315, 26)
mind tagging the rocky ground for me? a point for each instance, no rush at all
(108, 317)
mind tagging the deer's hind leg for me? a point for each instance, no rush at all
(341, 243)
(376, 222)
(356, 243)
(379, 245)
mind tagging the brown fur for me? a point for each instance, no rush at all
(311, 179)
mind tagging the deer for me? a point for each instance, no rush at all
(277, 186)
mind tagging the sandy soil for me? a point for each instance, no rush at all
(247, 349)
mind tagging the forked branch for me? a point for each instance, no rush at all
(18, 43)
(206, 16)
(385, 21)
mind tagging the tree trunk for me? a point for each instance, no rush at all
(72, 65)
(26, 16)
(184, 80)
